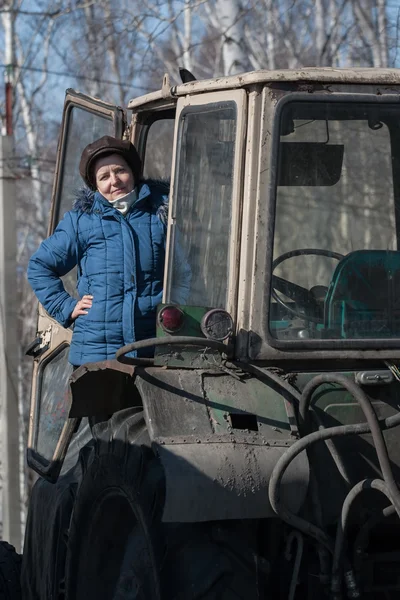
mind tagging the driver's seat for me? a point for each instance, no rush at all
(363, 299)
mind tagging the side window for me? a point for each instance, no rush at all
(154, 139)
(53, 410)
(203, 200)
(50, 429)
(82, 127)
(158, 149)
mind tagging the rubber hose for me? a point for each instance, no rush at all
(290, 455)
(174, 341)
(368, 410)
(376, 484)
(337, 459)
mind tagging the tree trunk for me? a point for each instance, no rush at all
(229, 15)
(320, 36)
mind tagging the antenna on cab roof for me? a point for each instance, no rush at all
(186, 75)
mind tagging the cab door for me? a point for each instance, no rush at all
(206, 198)
(50, 429)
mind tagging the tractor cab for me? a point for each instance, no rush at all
(283, 211)
(280, 317)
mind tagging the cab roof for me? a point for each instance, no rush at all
(309, 74)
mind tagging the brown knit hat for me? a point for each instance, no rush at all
(102, 147)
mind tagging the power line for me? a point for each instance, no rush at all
(18, 11)
(85, 77)
(50, 14)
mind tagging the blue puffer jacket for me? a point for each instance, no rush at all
(120, 263)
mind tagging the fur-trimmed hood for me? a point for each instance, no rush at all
(84, 199)
(156, 190)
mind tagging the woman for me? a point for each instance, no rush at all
(116, 236)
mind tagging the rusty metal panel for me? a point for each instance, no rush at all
(227, 397)
(216, 467)
(206, 482)
(212, 406)
(173, 402)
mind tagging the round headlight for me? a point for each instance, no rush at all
(217, 324)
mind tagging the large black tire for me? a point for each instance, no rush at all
(115, 531)
(119, 549)
(213, 561)
(10, 573)
(48, 523)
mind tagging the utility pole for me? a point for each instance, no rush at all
(9, 417)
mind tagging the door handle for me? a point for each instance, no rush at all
(35, 348)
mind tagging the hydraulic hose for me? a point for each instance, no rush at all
(374, 426)
(323, 553)
(290, 454)
(336, 581)
(333, 451)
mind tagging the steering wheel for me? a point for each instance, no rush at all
(300, 295)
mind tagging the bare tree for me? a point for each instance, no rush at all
(227, 19)
(33, 187)
(371, 22)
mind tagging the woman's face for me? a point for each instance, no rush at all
(114, 177)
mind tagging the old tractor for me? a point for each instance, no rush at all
(256, 454)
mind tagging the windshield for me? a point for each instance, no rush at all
(336, 265)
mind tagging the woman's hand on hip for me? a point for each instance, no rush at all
(82, 306)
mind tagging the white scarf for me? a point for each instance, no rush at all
(123, 203)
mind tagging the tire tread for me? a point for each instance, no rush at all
(10, 572)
